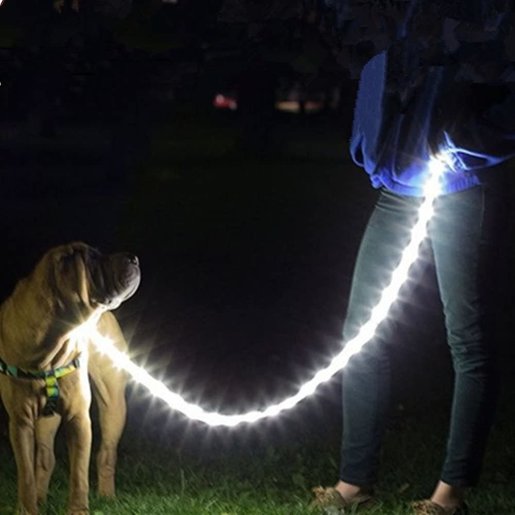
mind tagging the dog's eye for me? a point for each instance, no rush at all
(70, 256)
(67, 258)
(65, 263)
(92, 255)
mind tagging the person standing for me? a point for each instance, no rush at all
(428, 95)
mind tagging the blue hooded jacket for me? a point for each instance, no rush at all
(401, 119)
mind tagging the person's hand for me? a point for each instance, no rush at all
(447, 152)
(461, 159)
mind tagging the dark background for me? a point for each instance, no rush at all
(246, 222)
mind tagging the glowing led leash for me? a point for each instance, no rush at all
(353, 346)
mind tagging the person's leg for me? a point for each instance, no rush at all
(366, 379)
(462, 234)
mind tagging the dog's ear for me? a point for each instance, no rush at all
(68, 277)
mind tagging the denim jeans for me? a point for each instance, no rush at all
(461, 237)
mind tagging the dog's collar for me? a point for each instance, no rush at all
(49, 376)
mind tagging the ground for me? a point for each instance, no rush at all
(246, 263)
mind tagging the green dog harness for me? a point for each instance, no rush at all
(49, 376)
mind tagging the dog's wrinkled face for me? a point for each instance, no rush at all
(113, 277)
(82, 278)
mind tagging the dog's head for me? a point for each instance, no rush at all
(84, 280)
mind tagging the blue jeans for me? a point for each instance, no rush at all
(461, 238)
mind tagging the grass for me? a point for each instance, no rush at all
(231, 243)
(182, 469)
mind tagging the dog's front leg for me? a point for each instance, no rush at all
(111, 424)
(108, 385)
(78, 436)
(109, 391)
(76, 400)
(21, 434)
(46, 429)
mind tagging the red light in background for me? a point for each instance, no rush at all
(221, 101)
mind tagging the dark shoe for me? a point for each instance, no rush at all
(428, 507)
(330, 502)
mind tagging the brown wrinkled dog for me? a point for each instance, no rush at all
(71, 284)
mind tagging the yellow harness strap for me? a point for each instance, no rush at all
(50, 377)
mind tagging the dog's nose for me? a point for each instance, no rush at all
(132, 259)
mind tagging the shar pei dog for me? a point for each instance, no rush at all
(45, 373)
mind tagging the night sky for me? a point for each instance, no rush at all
(246, 220)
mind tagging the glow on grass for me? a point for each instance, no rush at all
(353, 346)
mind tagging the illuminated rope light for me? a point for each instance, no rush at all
(378, 314)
